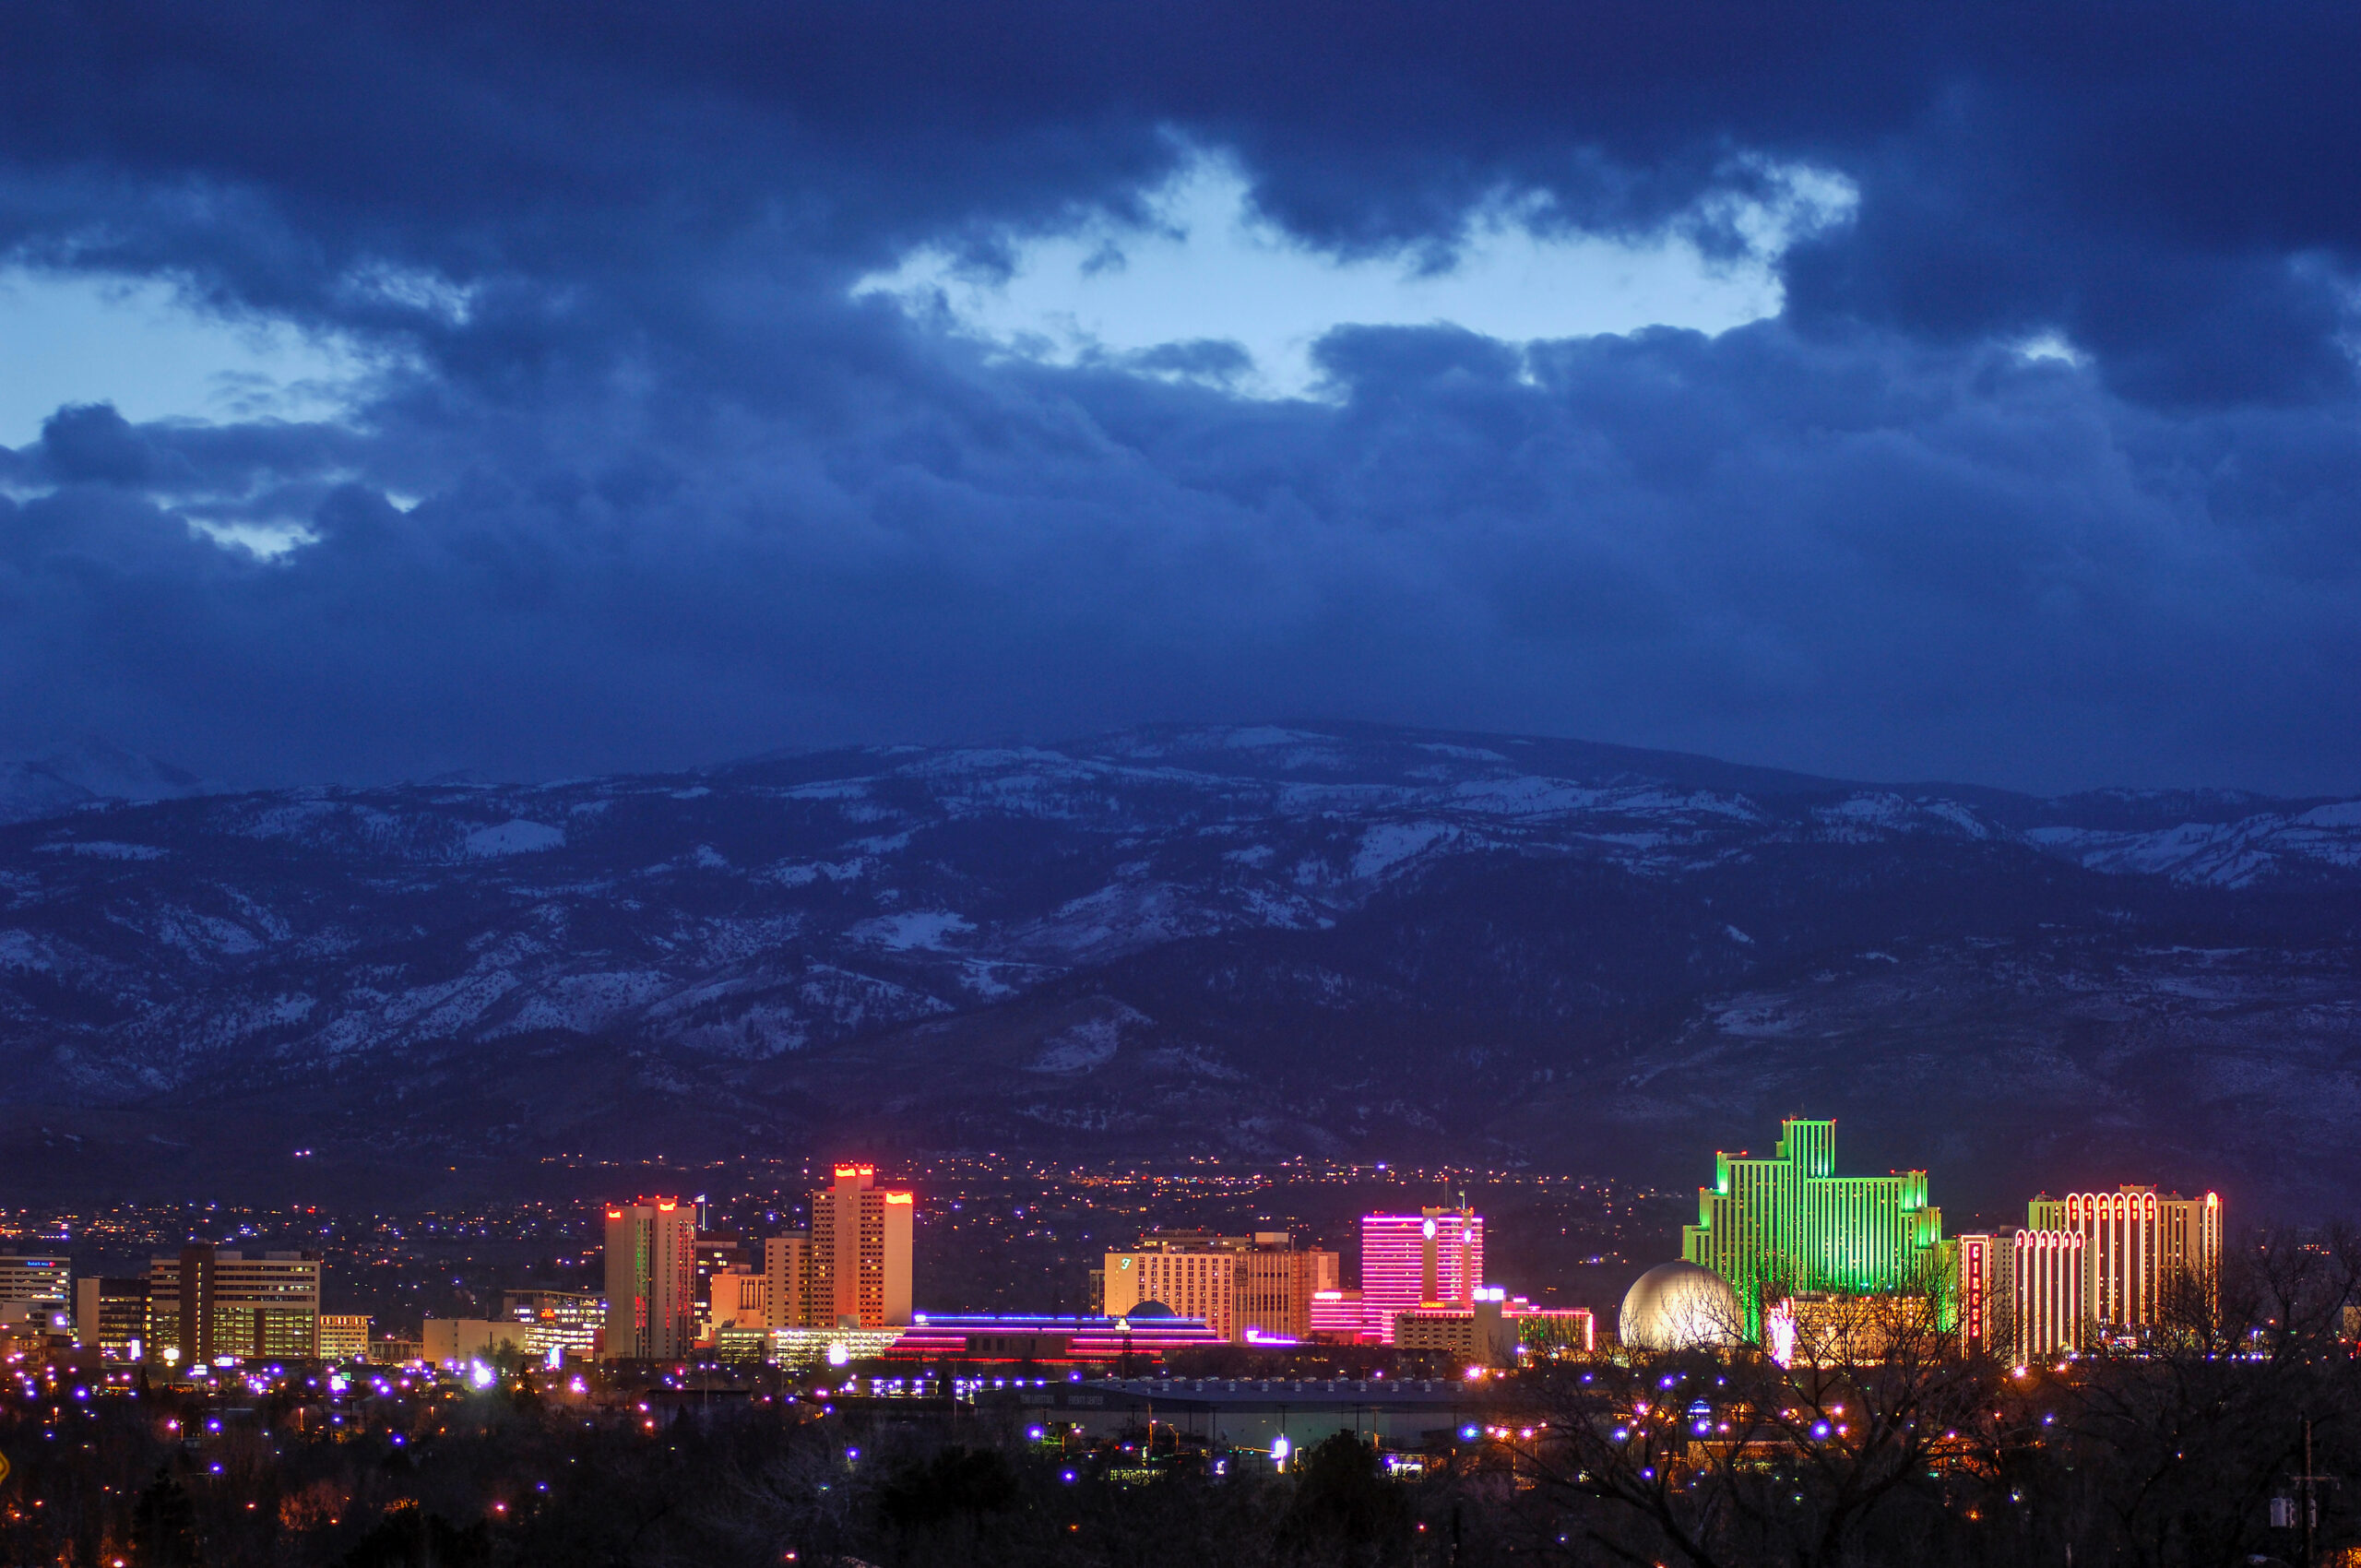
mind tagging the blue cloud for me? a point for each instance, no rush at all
(636, 479)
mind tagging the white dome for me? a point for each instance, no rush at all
(1678, 1306)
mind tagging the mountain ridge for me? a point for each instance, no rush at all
(1268, 939)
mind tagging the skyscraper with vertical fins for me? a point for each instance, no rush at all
(1788, 1224)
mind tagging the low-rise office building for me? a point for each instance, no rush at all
(1494, 1329)
(344, 1336)
(451, 1341)
(557, 1323)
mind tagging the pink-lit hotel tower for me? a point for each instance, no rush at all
(1422, 1288)
(1433, 1258)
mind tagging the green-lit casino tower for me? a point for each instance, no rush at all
(1787, 1224)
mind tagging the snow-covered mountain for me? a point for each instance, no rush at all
(87, 772)
(1251, 937)
(2295, 839)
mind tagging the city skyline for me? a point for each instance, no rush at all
(1428, 1264)
(906, 784)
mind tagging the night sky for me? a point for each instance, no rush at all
(1895, 391)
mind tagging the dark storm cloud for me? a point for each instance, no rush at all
(682, 498)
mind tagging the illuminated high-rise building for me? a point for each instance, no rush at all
(1433, 1258)
(2048, 1285)
(1789, 1224)
(1241, 1287)
(2022, 1295)
(179, 1291)
(2138, 1247)
(111, 1315)
(861, 1253)
(1979, 1281)
(267, 1305)
(207, 1304)
(39, 1280)
(787, 1281)
(651, 1280)
(715, 1254)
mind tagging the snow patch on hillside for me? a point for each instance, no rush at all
(1524, 797)
(102, 848)
(2225, 854)
(1086, 1046)
(1389, 843)
(1756, 1017)
(23, 950)
(1118, 919)
(851, 1000)
(515, 837)
(199, 934)
(585, 1002)
(1959, 816)
(804, 873)
(918, 928)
